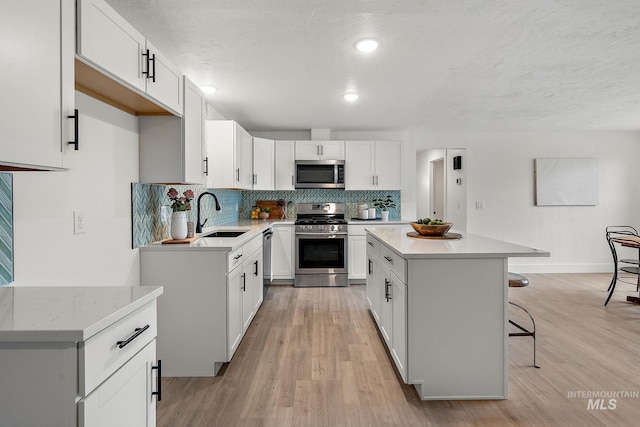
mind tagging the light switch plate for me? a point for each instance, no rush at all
(78, 223)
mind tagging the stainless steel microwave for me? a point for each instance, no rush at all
(319, 173)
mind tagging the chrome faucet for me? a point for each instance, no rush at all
(198, 224)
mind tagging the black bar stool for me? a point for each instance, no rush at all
(519, 281)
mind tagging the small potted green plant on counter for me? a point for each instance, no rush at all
(384, 205)
(264, 213)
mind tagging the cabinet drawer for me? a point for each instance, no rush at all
(373, 245)
(101, 355)
(392, 261)
(234, 259)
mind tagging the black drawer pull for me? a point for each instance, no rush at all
(76, 118)
(158, 391)
(389, 259)
(370, 243)
(137, 332)
(237, 256)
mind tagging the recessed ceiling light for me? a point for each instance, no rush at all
(209, 89)
(367, 45)
(350, 96)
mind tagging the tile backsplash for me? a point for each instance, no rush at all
(350, 198)
(147, 200)
(6, 228)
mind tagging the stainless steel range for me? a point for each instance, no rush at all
(321, 245)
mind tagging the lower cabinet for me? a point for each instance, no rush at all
(282, 252)
(387, 297)
(210, 297)
(124, 398)
(96, 382)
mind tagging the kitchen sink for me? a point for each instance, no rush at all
(225, 234)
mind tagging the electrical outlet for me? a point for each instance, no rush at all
(164, 214)
(78, 223)
(480, 206)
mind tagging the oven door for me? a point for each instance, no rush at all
(321, 253)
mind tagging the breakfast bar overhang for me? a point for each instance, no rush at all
(447, 329)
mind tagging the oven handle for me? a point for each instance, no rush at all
(322, 235)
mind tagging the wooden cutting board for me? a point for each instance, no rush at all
(447, 236)
(187, 240)
(275, 211)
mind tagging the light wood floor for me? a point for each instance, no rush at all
(313, 357)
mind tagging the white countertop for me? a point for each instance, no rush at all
(469, 246)
(252, 228)
(66, 313)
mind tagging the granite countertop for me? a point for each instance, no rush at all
(469, 246)
(66, 313)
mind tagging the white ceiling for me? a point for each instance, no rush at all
(443, 65)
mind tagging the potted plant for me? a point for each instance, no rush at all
(384, 205)
(264, 213)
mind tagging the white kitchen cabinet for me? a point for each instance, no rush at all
(282, 252)
(234, 307)
(357, 257)
(123, 399)
(387, 297)
(230, 154)
(373, 165)
(263, 164)
(38, 79)
(79, 357)
(173, 149)
(320, 150)
(285, 161)
(109, 42)
(215, 305)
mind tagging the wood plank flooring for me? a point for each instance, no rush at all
(313, 357)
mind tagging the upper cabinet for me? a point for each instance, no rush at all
(173, 149)
(37, 84)
(230, 154)
(263, 164)
(108, 42)
(320, 150)
(285, 165)
(373, 165)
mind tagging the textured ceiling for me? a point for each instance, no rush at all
(443, 65)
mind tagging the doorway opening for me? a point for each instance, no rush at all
(437, 189)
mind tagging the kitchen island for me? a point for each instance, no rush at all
(442, 309)
(78, 355)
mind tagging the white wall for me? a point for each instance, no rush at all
(499, 172)
(46, 250)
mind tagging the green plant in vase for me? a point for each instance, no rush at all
(384, 205)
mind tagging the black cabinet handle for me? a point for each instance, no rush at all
(244, 282)
(153, 60)
(136, 334)
(206, 166)
(387, 290)
(389, 259)
(370, 243)
(237, 256)
(76, 127)
(146, 55)
(237, 175)
(370, 267)
(255, 273)
(158, 391)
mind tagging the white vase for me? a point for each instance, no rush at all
(372, 213)
(385, 215)
(179, 225)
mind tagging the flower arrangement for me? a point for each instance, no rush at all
(179, 204)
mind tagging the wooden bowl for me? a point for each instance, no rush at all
(431, 230)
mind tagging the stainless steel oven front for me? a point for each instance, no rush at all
(321, 259)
